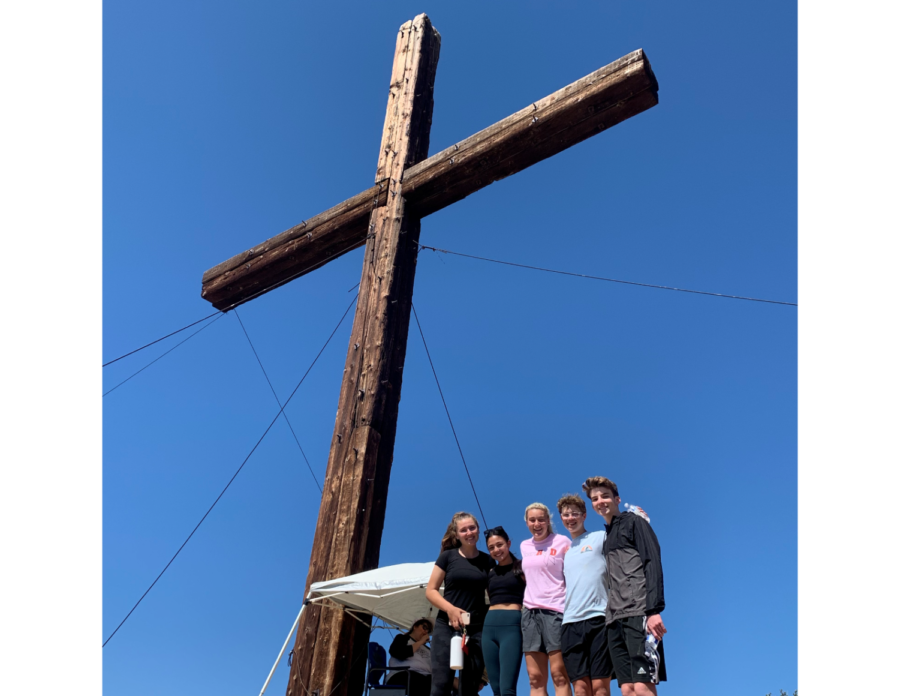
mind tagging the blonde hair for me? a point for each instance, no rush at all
(451, 537)
(541, 506)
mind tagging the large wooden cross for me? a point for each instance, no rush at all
(386, 219)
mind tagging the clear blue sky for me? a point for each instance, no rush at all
(226, 123)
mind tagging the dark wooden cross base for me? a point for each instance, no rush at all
(330, 649)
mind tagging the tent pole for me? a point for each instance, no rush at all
(283, 648)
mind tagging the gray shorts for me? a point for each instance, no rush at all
(541, 630)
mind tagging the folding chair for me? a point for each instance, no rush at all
(377, 669)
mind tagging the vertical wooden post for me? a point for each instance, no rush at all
(330, 649)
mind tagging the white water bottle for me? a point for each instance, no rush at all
(637, 511)
(456, 652)
(651, 646)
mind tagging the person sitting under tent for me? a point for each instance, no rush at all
(409, 650)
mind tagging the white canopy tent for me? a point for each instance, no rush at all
(395, 594)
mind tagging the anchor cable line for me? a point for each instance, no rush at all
(609, 280)
(247, 299)
(231, 480)
(277, 400)
(447, 410)
(168, 351)
(136, 350)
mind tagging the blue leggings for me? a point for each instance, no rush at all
(501, 643)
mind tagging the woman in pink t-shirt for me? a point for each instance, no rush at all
(545, 600)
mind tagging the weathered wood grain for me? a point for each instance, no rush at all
(295, 252)
(584, 108)
(574, 113)
(330, 648)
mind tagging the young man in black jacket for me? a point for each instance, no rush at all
(635, 592)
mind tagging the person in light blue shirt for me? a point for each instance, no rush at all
(584, 645)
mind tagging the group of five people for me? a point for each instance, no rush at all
(581, 609)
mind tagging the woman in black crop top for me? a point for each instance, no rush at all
(502, 640)
(463, 571)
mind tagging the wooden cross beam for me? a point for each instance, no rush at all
(576, 112)
(330, 648)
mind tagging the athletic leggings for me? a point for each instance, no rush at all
(473, 663)
(502, 647)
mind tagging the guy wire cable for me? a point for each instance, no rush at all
(441, 392)
(136, 350)
(221, 314)
(277, 400)
(237, 304)
(246, 459)
(609, 280)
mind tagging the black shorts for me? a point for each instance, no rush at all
(626, 647)
(585, 650)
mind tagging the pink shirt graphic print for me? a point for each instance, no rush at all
(542, 562)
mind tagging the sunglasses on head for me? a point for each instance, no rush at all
(495, 531)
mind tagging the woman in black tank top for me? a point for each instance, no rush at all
(502, 638)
